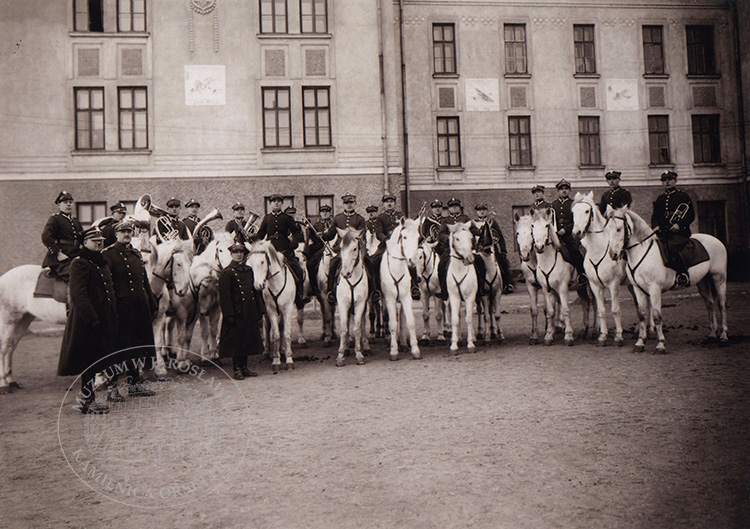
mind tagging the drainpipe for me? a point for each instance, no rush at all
(403, 104)
(383, 120)
(741, 114)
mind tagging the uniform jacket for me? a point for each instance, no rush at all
(371, 224)
(135, 301)
(232, 227)
(444, 233)
(385, 223)
(563, 214)
(540, 204)
(91, 328)
(190, 222)
(314, 243)
(616, 198)
(345, 220)
(108, 230)
(665, 206)
(494, 226)
(242, 309)
(281, 230)
(62, 233)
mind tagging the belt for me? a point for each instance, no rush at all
(66, 241)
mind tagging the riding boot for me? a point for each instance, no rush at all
(416, 295)
(502, 261)
(683, 278)
(481, 271)
(333, 273)
(443, 279)
(237, 365)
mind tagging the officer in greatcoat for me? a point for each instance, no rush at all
(136, 305)
(562, 206)
(63, 237)
(672, 215)
(91, 328)
(615, 196)
(117, 212)
(242, 312)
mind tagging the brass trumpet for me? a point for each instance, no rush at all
(679, 213)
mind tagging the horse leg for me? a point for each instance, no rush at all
(614, 294)
(366, 350)
(343, 308)
(534, 310)
(469, 317)
(565, 313)
(301, 342)
(10, 335)
(720, 293)
(213, 344)
(704, 287)
(273, 341)
(408, 311)
(160, 331)
(286, 335)
(551, 316)
(601, 311)
(440, 318)
(498, 315)
(655, 295)
(390, 304)
(358, 329)
(425, 314)
(455, 303)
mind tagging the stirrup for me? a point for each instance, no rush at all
(683, 279)
(331, 298)
(375, 296)
(509, 289)
(416, 294)
(582, 279)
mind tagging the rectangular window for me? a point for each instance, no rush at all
(706, 145)
(131, 15)
(277, 127)
(88, 15)
(287, 201)
(88, 212)
(449, 142)
(129, 205)
(712, 218)
(700, 50)
(519, 133)
(273, 16)
(444, 48)
(316, 116)
(89, 105)
(132, 106)
(312, 206)
(588, 140)
(658, 139)
(313, 16)
(515, 48)
(583, 37)
(653, 50)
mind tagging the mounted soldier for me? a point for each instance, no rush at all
(564, 222)
(539, 200)
(316, 246)
(499, 246)
(169, 226)
(192, 220)
(672, 215)
(117, 213)
(372, 218)
(385, 223)
(238, 223)
(63, 237)
(616, 196)
(432, 223)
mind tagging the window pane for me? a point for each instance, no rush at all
(126, 99)
(308, 98)
(140, 99)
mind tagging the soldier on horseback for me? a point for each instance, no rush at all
(316, 246)
(499, 244)
(192, 220)
(564, 222)
(616, 196)
(63, 237)
(671, 218)
(169, 226)
(237, 224)
(539, 200)
(372, 218)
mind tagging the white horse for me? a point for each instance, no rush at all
(299, 252)
(489, 321)
(395, 282)
(325, 307)
(274, 278)
(352, 292)
(554, 274)
(646, 271)
(375, 310)
(528, 268)
(461, 280)
(429, 285)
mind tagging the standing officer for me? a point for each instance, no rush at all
(90, 331)
(673, 213)
(444, 250)
(117, 213)
(63, 236)
(237, 224)
(284, 234)
(564, 220)
(136, 304)
(170, 226)
(539, 201)
(499, 243)
(616, 196)
(346, 219)
(315, 246)
(384, 226)
(242, 312)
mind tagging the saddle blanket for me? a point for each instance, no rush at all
(50, 286)
(692, 254)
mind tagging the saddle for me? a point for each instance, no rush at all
(692, 254)
(49, 285)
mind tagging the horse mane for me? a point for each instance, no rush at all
(548, 216)
(641, 229)
(264, 246)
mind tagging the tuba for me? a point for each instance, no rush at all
(203, 234)
(250, 228)
(679, 213)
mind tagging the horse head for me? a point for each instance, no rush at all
(259, 259)
(182, 259)
(208, 294)
(618, 230)
(351, 251)
(405, 240)
(541, 229)
(461, 242)
(583, 213)
(485, 243)
(523, 236)
(424, 254)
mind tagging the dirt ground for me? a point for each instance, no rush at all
(513, 436)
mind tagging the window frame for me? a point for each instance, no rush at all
(585, 139)
(580, 48)
(444, 45)
(709, 137)
(92, 207)
(80, 15)
(515, 45)
(274, 17)
(90, 111)
(316, 111)
(519, 137)
(317, 200)
(650, 48)
(131, 15)
(709, 66)
(276, 111)
(133, 111)
(447, 136)
(314, 17)
(658, 133)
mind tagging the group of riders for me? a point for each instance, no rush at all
(672, 215)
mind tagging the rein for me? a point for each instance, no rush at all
(427, 260)
(358, 263)
(267, 279)
(633, 269)
(388, 258)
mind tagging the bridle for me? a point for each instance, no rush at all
(429, 264)
(269, 276)
(625, 248)
(390, 256)
(455, 255)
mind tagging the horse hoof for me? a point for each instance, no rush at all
(291, 365)
(394, 358)
(275, 369)
(569, 342)
(361, 362)
(660, 350)
(601, 343)
(339, 362)
(620, 342)
(501, 340)
(472, 348)
(327, 343)
(533, 341)
(639, 348)
(547, 342)
(4, 390)
(416, 356)
(302, 345)
(480, 336)
(723, 341)
(14, 385)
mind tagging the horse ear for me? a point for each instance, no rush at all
(467, 224)
(590, 195)
(402, 221)
(516, 216)
(341, 232)
(453, 227)
(358, 234)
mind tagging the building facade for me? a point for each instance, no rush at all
(229, 100)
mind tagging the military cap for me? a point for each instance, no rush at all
(453, 201)
(562, 183)
(238, 205)
(118, 206)
(192, 202)
(348, 197)
(124, 225)
(291, 210)
(93, 234)
(436, 203)
(612, 175)
(275, 196)
(63, 196)
(537, 188)
(389, 196)
(667, 175)
(173, 202)
(238, 247)
(481, 205)
(324, 207)
(371, 208)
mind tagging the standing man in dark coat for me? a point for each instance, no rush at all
(384, 226)
(564, 220)
(674, 228)
(136, 304)
(539, 200)
(242, 310)
(117, 213)
(501, 253)
(63, 237)
(617, 196)
(90, 332)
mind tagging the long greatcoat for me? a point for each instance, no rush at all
(92, 321)
(242, 309)
(134, 299)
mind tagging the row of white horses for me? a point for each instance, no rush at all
(620, 247)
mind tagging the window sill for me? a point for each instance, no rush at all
(445, 76)
(517, 76)
(111, 34)
(656, 76)
(704, 76)
(591, 167)
(521, 167)
(297, 149)
(586, 75)
(450, 169)
(102, 152)
(296, 36)
(709, 164)
(667, 165)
